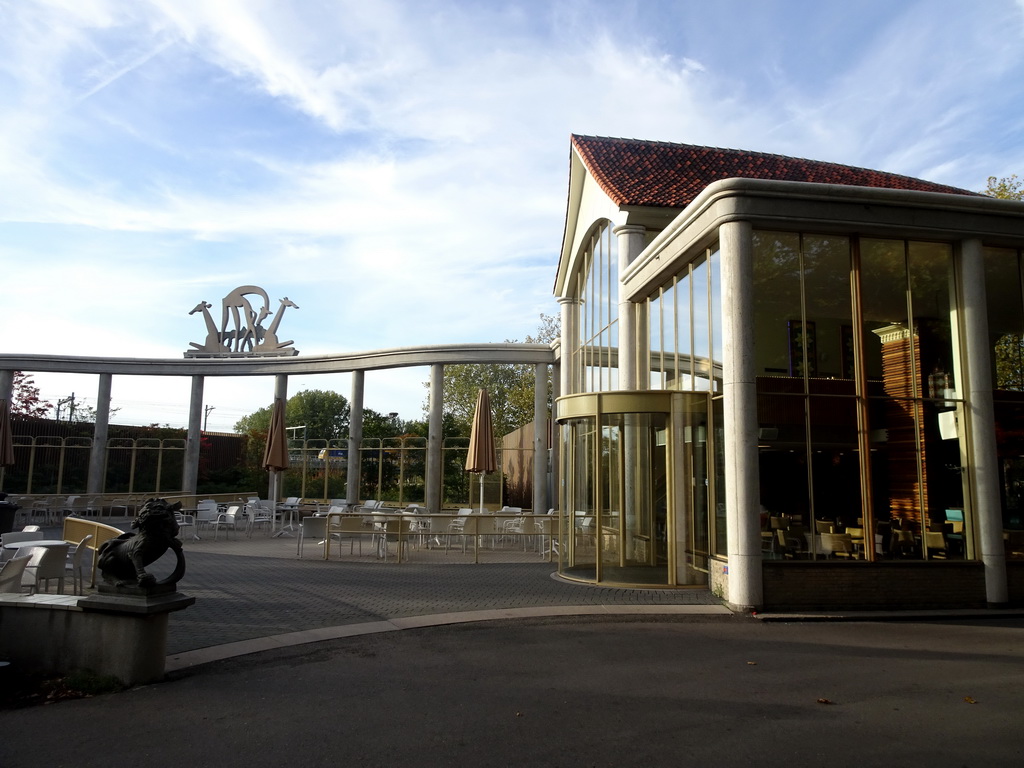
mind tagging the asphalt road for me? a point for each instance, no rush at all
(715, 691)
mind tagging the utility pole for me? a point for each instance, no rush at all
(70, 402)
(206, 414)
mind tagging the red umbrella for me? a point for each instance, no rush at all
(482, 458)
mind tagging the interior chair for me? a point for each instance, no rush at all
(45, 564)
(73, 563)
(225, 520)
(11, 574)
(315, 528)
(837, 544)
(823, 526)
(935, 542)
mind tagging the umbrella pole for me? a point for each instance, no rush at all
(480, 479)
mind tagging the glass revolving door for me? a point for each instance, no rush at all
(627, 504)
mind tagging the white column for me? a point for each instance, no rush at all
(984, 467)
(355, 437)
(98, 454)
(570, 311)
(435, 439)
(740, 416)
(540, 439)
(631, 243)
(190, 472)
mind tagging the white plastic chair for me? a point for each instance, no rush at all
(225, 520)
(45, 564)
(206, 515)
(312, 527)
(261, 513)
(457, 527)
(11, 574)
(73, 563)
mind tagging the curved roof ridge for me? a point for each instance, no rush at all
(669, 175)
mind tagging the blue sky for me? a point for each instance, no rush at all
(365, 159)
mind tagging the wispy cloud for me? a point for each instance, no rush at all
(391, 166)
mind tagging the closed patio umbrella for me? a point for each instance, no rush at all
(482, 458)
(6, 435)
(275, 455)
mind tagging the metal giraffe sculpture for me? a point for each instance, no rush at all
(241, 333)
(268, 341)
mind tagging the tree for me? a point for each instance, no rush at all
(87, 414)
(324, 414)
(510, 387)
(26, 400)
(1005, 188)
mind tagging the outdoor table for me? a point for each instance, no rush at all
(36, 543)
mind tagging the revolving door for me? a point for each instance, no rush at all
(635, 491)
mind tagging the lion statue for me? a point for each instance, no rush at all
(122, 561)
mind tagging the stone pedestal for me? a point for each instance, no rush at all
(122, 635)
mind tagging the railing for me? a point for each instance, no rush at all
(483, 530)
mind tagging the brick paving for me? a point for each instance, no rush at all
(254, 588)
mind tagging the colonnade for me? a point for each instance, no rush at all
(435, 357)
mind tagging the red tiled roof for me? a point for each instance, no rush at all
(659, 174)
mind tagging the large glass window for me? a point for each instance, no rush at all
(857, 401)
(596, 355)
(684, 341)
(1005, 298)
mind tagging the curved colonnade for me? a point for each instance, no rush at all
(433, 356)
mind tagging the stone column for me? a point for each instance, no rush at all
(435, 439)
(190, 472)
(739, 389)
(631, 243)
(540, 439)
(98, 454)
(355, 437)
(981, 421)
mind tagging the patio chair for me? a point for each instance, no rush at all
(225, 520)
(398, 531)
(206, 514)
(315, 528)
(11, 573)
(73, 563)
(457, 527)
(45, 564)
(262, 513)
(185, 521)
(347, 527)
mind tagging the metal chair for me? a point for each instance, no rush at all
(225, 520)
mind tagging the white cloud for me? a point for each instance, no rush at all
(393, 166)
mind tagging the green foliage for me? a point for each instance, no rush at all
(510, 388)
(325, 415)
(1005, 188)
